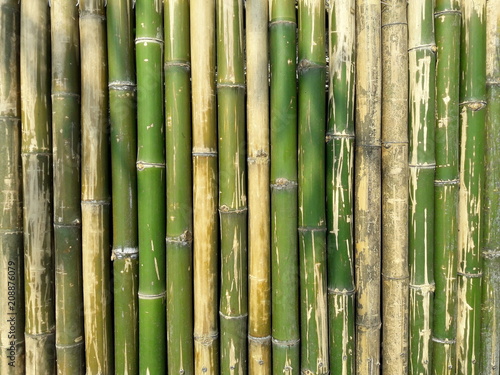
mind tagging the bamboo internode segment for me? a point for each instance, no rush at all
(12, 348)
(490, 309)
(67, 187)
(447, 22)
(395, 277)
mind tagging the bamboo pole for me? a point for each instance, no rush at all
(122, 111)
(311, 189)
(70, 345)
(472, 116)
(285, 261)
(367, 190)
(259, 256)
(95, 190)
(422, 169)
(151, 187)
(339, 177)
(232, 187)
(447, 23)
(12, 353)
(395, 275)
(179, 225)
(490, 318)
(37, 182)
(205, 188)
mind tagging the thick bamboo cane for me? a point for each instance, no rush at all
(311, 190)
(472, 116)
(447, 23)
(122, 111)
(205, 187)
(70, 345)
(12, 352)
(179, 188)
(151, 187)
(367, 190)
(37, 188)
(232, 187)
(490, 319)
(340, 183)
(395, 276)
(259, 256)
(96, 208)
(422, 169)
(285, 261)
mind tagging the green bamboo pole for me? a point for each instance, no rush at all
(179, 223)
(95, 190)
(367, 189)
(421, 190)
(395, 275)
(37, 183)
(122, 111)
(339, 177)
(447, 23)
(472, 118)
(285, 261)
(232, 187)
(490, 318)
(259, 256)
(70, 347)
(311, 189)
(151, 187)
(12, 352)
(205, 188)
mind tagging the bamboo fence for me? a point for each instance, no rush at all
(250, 187)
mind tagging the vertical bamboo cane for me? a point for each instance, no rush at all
(179, 188)
(151, 187)
(205, 218)
(472, 116)
(95, 190)
(37, 183)
(447, 24)
(367, 190)
(232, 186)
(395, 275)
(11, 216)
(285, 261)
(259, 256)
(122, 110)
(311, 192)
(67, 207)
(339, 177)
(490, 319)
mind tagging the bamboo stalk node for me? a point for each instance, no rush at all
(405, 24)
(469, 275)
(285, 343)
(431, 47)
(141, 165)
(262, 340)
(148, 39)
(230, 85)
(491, 254)
(69, 346)
(284, 184)
(178, 64)
(444, 341)
(448, 12)
(306, 64)
(330, 136)
(184, 239)
(450, 182)
(122, 86)
(125, 252)
(151, 296)
(233, 317)
(474, 105)
(228, 210)
(61, 94)
(262, 159)
(424, 288)
(282, 22)
(341, 292)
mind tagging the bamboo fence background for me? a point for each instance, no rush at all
(259, 186)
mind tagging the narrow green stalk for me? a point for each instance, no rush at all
(472, 143)
(179, 189)
(205, 189)
(259, 256)
(12, 353)
(285, 261)
(490, 319)
(70, 345)
(122, 111)
(232, 187)
(37, 186)
(311, 190)
(447, 23)
(96, 208)
(339, 178)
(395, 276)
(151, 187)
(367, 189)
